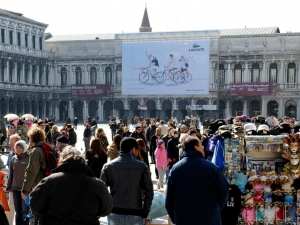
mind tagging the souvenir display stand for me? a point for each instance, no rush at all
(271, 163)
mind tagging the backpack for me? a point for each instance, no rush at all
(51, 159)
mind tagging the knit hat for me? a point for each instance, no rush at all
(69, 126)
(159, 142)
(21, 144)
(62, 139)
(138, 127)
(127, 144)
(243, 118)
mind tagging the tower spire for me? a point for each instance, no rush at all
(145, 26)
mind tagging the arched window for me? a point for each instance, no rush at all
(19, 68)
(93, 75)
(221, 76)
(11, 68)
(238, 73)
(108, 77)
(63, 73)
(78, 75)
(255, 75)
(291, 75)
(119, 74)
(273, 72)
(47, 76)
(26, 68)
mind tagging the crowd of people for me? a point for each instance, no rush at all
(175, 148)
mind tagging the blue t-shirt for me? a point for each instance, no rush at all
(155, 61)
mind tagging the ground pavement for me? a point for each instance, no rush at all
(80, 146)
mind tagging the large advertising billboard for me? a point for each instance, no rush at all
(253, 89)
(175, 67)
(90, 90)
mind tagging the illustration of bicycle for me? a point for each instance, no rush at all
(144, 76)
(177, 76)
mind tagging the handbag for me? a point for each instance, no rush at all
(40, 220)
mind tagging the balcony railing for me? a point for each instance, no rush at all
(25, 51)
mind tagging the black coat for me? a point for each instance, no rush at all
(150, 132)
(72, 137)
(173, 151)
(75, 122)
(126, 134)
(135, 135)
(96, 164)
(130, 185)
(55, 194)
(196, 191)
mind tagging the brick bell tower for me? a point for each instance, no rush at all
(145, 27)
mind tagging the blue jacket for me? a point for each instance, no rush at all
(196, 191)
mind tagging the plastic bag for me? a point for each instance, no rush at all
(158, 206)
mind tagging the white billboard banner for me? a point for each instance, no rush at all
(165, 67)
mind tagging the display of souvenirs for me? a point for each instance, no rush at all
(264, 143)
(18, 125)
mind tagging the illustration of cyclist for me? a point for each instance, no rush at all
(171, 65)
(153, 66)
(184, 65)
(149, 57)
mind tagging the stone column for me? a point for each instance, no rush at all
(263, 73)
(15, 79)
(100, 110)
(281, 108)
(56, 111)
(263, 107)
(86, 75)
(281, 75)
(84, 109)
(30, 74)
(44, 75)
(228, 77)
(37, 75)
(246, 74)
(6, 75)
(245, 107)
(227, 108)
(71, 111)
(22, 73)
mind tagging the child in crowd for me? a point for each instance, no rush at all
(161, 162)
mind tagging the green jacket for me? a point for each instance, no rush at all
(34, 172)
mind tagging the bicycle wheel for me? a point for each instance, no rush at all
(144, 77)
(159, 77)
(178, 78)
(187, 78)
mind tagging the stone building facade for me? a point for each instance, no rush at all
(37, 69)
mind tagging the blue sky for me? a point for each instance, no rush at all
(116, 16)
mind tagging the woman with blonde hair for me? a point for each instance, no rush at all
(96, 157)
(114, 148)
(54, 134)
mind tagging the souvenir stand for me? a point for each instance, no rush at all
(269, 191)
